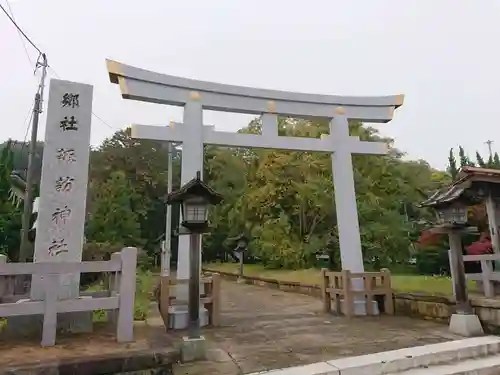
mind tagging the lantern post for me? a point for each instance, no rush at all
(451, 208)
(454, 216)
(195, 197)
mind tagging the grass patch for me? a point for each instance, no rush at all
(437, 285)
(143, 296)
(144, 284)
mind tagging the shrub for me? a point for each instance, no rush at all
(93, 251)
(432, 261)
(144, 294)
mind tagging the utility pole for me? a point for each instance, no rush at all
(25, 250)
(489, 143)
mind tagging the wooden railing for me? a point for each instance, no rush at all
(119, 299)
(209, 297)
(337, 286)
(488, 277)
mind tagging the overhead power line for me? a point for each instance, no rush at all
(20, 30)
(97, 117)
(21, 36)
(11, 18)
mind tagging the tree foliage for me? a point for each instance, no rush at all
(113, 219)
(283, 200)
(10, 215)
(452, 168)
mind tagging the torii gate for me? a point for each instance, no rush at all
(195, 96)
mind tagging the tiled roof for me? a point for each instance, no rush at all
(457, 189)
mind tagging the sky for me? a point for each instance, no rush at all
(443, 55)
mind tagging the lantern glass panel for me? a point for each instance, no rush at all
(195, 210)
(456, 214)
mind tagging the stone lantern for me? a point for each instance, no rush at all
(451, 207)
(240, 244)
(195, 197)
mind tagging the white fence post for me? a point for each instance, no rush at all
(114, 287)
(125, 326)
(487, 270)
(51, 292)
(3, 279)
(120, 299)
(488, 277)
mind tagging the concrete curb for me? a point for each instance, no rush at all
(426, 358)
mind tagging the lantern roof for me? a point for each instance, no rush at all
(480, 174)
(195, 188)
(471, 187)
(448, 196)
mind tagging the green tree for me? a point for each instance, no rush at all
(113, 220)
(10, 215)
(464, 159)
(285, 200)
(480, 160)
(144, 164)
(496, 161)
(452, 165)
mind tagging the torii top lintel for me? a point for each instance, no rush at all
(143, 85)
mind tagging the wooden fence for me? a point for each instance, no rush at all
(119, 299)
(337, 286)
(488, 278)
(209, 296)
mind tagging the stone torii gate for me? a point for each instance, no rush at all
(195, 96)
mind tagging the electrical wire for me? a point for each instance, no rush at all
(41, 53)
(27, 122)
(20, 36)
(104, 122)
(20, 30)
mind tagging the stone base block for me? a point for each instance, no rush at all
(178, 317)
(360, 307)
(31, 325)
(193, 349)
(24, 326)
(466, 325)
(76, 322)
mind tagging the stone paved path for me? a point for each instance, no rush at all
(265, 329)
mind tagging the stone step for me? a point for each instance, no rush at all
(399, 361)
(482, 366)
(395, 361)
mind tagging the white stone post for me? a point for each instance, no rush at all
(191, 163)
(63, 186)
(125, 324)
(492, 222)
(345, 198)
(351, 254)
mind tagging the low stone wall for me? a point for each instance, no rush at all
(129, 363)
(419, 305)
